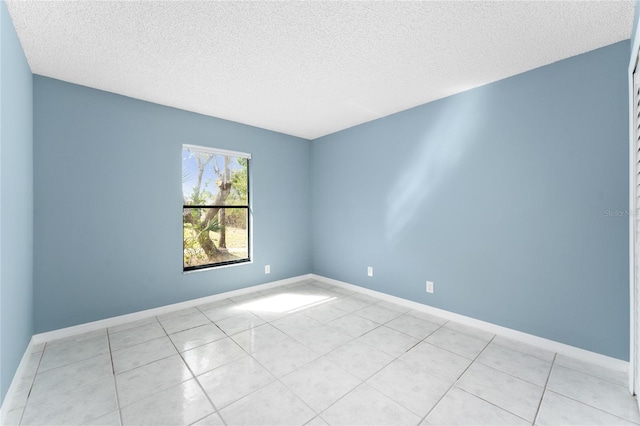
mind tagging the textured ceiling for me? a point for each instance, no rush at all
(305, 68)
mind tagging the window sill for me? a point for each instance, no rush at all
(209, 268)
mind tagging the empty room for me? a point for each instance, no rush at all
(319, 213)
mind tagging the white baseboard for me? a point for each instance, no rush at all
(123, 319)
(550, 345)
(7, 403)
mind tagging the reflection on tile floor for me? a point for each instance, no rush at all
(310, 353)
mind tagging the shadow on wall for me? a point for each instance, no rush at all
(440, 149)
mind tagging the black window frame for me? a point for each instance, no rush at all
(246, 207)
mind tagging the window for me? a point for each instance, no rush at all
(215, 210)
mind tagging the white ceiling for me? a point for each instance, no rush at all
(305, 68)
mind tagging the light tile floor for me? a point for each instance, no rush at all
(310, 353)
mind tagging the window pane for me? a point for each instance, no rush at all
(211, 179)
(215, 235)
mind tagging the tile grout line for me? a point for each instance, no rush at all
(544, 389)
(513, 374)
(458, 379)
(141, 365)
(193, 375)
(318, 414)
(279, 379)
(151, 362)
(33, 382)
(591, 375)
(58, 367)
(589, 405)
(215, 409)
(497, 406)
(276, 379)
(573, 399)
(525, 353)
(364, 381)
(594, 408)
(115, 383)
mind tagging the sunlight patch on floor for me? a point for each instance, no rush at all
(287, 302)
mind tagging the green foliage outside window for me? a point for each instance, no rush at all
(215, 214)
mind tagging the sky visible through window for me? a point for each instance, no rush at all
(209, 177)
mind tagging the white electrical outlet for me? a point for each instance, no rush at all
(429, 286)
(267, 269)
(370, 271)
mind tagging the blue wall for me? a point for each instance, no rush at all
(16, 202)
(636, 17)
(512, 197)
(108, 202)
